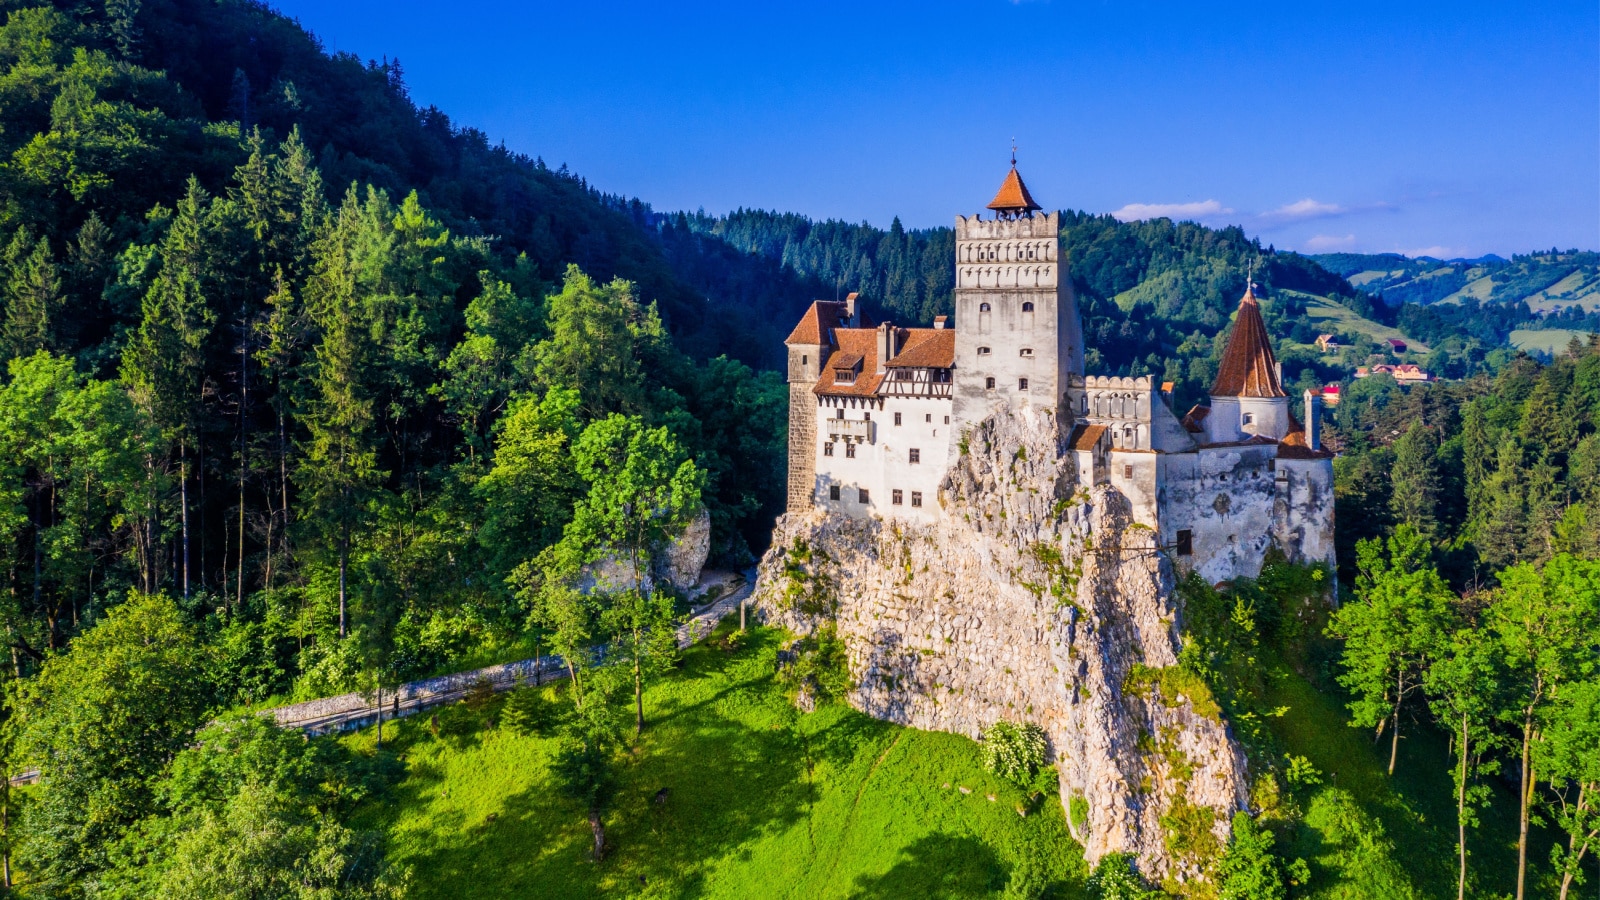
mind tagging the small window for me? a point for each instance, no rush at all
(827, 449)
(861, 495)
(1185, 542)
(1127, 471)
(988, 384)
(1249, 418)
(866, 416)
(1027, 307)
(928, 418)
(916, 455)
(947, 420)
(1027, 353)
(916, 498)
(849, 450)
(844, 376)
(895, 497)
(1022, 384)
(833, 492)
(805, 360)
(838, 413)
(897, 418)
(983, 351)
(983, 307)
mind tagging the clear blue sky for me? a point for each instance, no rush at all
(1455, 128)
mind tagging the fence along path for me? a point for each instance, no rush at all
(351, 711)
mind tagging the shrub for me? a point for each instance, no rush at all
(1014, 752)
(821, 662)
(528, 712)
(1248, 869)
(1117, 878)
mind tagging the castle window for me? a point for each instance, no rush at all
(1022, 384)
(1185, 543)
(928, 418)
(1027, 307)
(983, 307)
(833, 492)
(804, 360)
(1027, 353)
(839, 412)
(916, 498)
(947, 420)
(849, 450)
(866, 417)
(827, 448)
(861, 495)
(988, 384)
(1249, 418)
(983, 351)
(897, 418)
(895, 497)
(1127, 471)
(844, 376)
(916, 455)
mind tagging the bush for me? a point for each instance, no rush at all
(1117, 878)
(528, 712)
(821, 662)
(1248, 869)
(1014, 752)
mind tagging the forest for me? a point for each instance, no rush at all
(308, 389)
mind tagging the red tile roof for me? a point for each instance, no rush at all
(1013, 195)
(1086, 437)
(1248, 367)
(819, 321)
(853, 342)
(1194, 419)
(933, 348)
(924, 348)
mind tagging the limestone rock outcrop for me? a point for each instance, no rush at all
(1031, 600)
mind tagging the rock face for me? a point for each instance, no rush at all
(1030, 600)
(679, 563)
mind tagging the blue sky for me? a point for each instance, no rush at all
(1443, 128)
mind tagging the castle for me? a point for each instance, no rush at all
(876, 411)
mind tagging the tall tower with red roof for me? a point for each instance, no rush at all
(1018, 334)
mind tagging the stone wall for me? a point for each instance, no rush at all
(1032, 600)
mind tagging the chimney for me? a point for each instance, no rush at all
(1313, 419)
(885, 343)
(939, 322)
(850, 311)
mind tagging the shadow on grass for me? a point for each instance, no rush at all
(936, 867)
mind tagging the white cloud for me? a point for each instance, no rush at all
(1436, 251)
(1328, 243)
(1181, 211)
(1302, 211)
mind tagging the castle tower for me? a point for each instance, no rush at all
(1018, 336)
(1248, 398)
(809, 345)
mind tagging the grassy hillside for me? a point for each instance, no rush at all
(1337, 318)
(762, 802)
(1545, 340)
(1545, 281)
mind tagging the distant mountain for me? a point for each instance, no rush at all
(1546, 282)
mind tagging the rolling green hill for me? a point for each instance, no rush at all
(1545, 281)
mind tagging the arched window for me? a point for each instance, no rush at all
(1027, 307)
(983, 307)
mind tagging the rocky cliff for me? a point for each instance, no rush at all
(1030, 600)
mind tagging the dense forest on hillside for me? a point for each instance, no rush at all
(308, 389)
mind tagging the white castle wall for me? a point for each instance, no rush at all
(882, 463)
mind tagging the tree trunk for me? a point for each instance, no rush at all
(1524, 795)
(380, 717)
(183, 500)
(638, 691)
(599, 829)
(1394, 740)
(344, 557)
(1461, 811)
(1575, 850)
(244, 399)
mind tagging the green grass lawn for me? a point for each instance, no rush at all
(1336, 317)
(1546, 340)
(763, 802)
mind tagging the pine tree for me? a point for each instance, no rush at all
(33, 297)
(1417, 481)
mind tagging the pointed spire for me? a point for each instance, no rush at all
(1013, 197)
(1249, 368)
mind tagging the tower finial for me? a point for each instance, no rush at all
(1013, 153)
